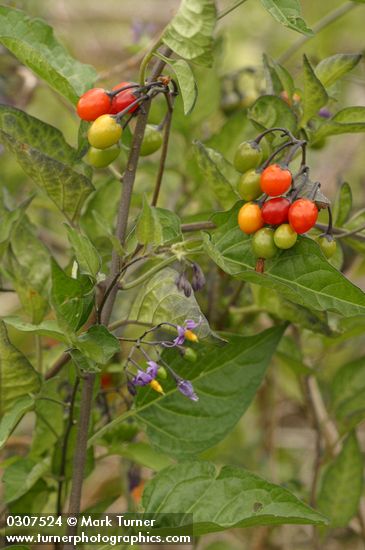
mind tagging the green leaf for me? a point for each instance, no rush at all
(300, 274)
(314, 96)
(187, 84)
(189, 33)
(10, 419)
(86, 254)
(98, 344)
(288, 13)
(49, 419)
(218, 173)
(285, 79)
(348, 397)
(269, 111)
(332, 68)
(357, 221)
(45, 156)
(350, 120)
(47, 328)
(72, 298)
(17, 376)
(8, 222)
(160, 300)
(221, 500)
(170, 223)
(148, 228)
(186, 81)
(273, 83)
(272, 302)
(21, 476)
(28, 261)
(142, 454)
(33, 43)
(102, 205)
(342, 483)
(225, 382)
(343, 205)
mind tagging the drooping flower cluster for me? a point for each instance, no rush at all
(147, 376)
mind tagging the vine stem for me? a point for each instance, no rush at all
(228, 10)
(331, 436)
(66, 438)
(122, 221)
(81, 450)
(165, 145)
(148, 274)
(320, 25)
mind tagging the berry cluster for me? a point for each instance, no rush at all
(275, 212)
(106, 109)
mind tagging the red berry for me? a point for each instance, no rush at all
(93, 104)
(275, 211)
(275, 180)
(122, 100)
(106, 380)
(303, 214)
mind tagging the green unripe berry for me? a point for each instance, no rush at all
(328, 245)
(248, 156)
(249, 185)
(263, 245)
(285, 237)
(100, 158)
(190, 355)
(152, 140)
(318, 145)
(162, 373)
(104, 132)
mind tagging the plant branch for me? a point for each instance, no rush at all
(320, 25)
(66, 438)
(81, 449)
(228, 10)
(340, 234)
(128, 183)
(197, 226)
(148, 274)
(331, 436)
(116, 265)
(351, 233)
(165, 144)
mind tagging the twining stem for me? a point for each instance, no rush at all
(116, 264)
(128, 182)
(39, 352)
(70, 423)
(352, 232)
(81, 449)
(228, 10)
(331, 436)
(320, 25)
(146, 60)
(197, 226)
(165, 144)
(146, 276)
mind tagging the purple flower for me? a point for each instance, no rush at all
(186, 388)
(189, 324)
(143, 378)
(324, 113)
(198, 280)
